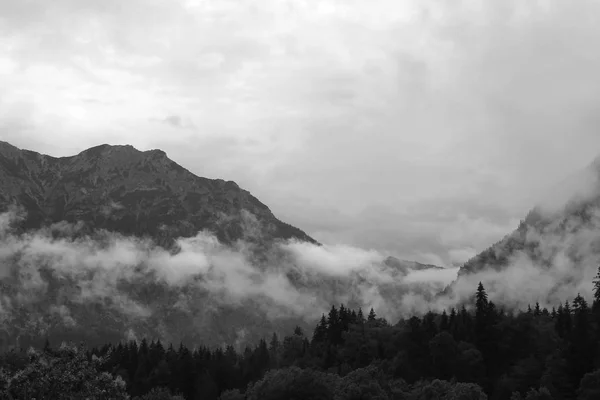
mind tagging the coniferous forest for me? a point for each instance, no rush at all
(479, 351)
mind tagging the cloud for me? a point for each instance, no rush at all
(297, 280)
(174, 120)
(559, 259)
(333, 260)
(414, 105)
(444, 276)
(460, 256)
(178, 122)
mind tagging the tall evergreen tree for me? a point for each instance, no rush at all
(444, 322)
(372, 316)
(334, 326)
(320, 333)
(537, 310)
(582, 351)
(481, 300)
(360, 316)
(481, 310)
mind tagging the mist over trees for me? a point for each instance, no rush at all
(478, 351)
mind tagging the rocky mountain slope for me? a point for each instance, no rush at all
(568, 208)
(121, 189)
(555, 248)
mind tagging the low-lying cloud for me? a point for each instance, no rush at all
(299, 280)
(549, 262)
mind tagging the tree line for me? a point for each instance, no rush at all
(478, 351)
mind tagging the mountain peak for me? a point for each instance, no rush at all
(107, 149)
(131, 191)
(557, 232)
(6, 144)
(7, 149)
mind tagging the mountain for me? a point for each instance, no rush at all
(405, 266)
(121, 189)
(556, 246)
(118, 244)
(76, 265)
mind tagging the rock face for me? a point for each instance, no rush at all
(121, 189)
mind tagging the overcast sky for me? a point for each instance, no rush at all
(423, 128)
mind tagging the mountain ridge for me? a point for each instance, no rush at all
(556, 247)
(581, 201)
(120, 188)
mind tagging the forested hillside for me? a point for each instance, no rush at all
(475, 352)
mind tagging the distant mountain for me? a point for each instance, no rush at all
(121, 189)
(405, 266)
(559, 237)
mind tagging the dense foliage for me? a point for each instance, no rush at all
(477, 352)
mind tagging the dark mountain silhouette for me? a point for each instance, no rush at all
(121, 189)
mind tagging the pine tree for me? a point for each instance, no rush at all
(274, 351)
(545, 312)
(344, 318)
(334, 327)
(567, 319)
(429, 327)
(481, 299)
(452, 318)
(360, 316)
(580, 305)
(274, 344)
(262, 356)
(372, 316)
(481, 308)
(444, 322)
(582, 352)
(320, 333)
(492, 313)
(559, 321)
(144, 348)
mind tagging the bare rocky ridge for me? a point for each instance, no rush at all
(122, 189)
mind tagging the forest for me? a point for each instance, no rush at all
(478, 351)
